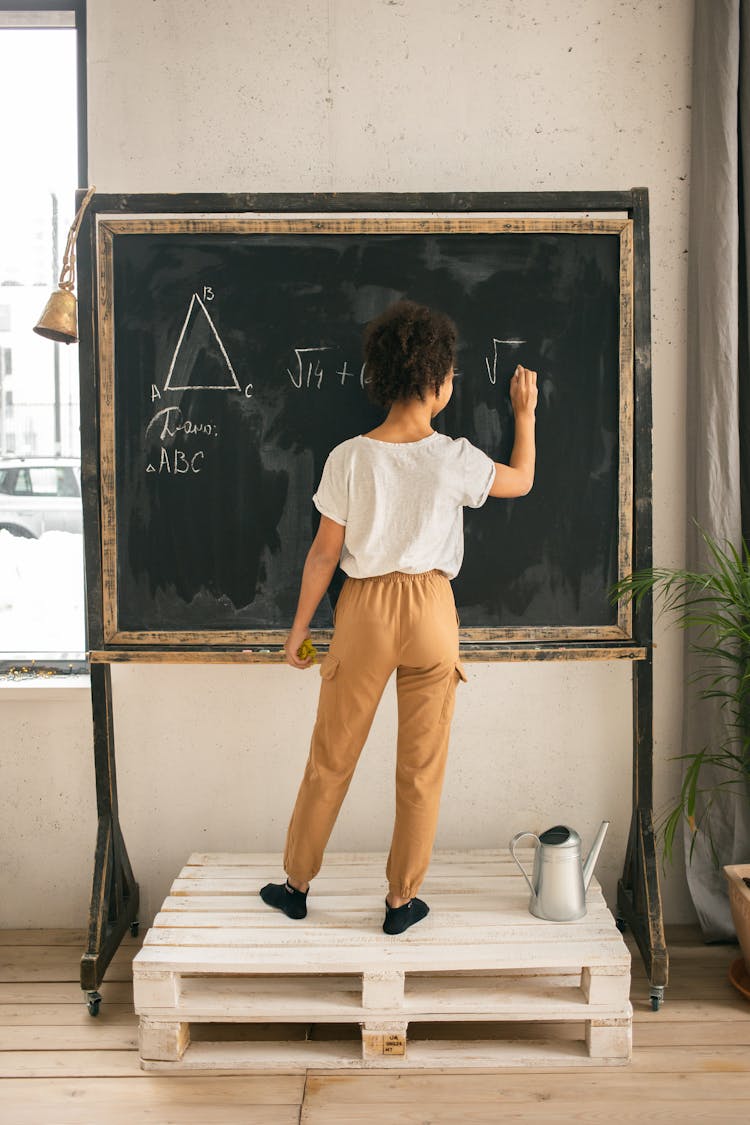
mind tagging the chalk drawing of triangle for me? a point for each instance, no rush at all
(200, 361)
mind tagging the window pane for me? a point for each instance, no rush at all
(23, 481)
(41, 544)
(44, 481)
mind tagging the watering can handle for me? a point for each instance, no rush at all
(514, 841)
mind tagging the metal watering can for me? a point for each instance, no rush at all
(560, 880)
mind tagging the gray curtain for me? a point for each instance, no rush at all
(717, 383)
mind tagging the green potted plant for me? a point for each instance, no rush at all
(715, 604)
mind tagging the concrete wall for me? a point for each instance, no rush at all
(345, 95)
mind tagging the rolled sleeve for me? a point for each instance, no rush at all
(332, 496)
(477, 474)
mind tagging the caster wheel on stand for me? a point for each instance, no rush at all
(657, 997)
(94, 1000)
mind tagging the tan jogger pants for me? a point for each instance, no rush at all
(406, 622)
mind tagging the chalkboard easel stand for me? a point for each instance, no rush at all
(639, 898)
(114, 900)
(638, 895)
(114, 895)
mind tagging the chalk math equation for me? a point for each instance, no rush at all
(200, 362)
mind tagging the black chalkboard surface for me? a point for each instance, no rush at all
(232, 364)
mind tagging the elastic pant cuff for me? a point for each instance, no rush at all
(298, 878)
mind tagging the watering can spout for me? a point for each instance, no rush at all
(591, 858)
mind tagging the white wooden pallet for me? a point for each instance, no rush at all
(216, 954)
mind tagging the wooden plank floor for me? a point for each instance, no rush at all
(60, 1066)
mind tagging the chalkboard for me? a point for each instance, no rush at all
(230, 363)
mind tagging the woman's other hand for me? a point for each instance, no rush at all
(293, 644)
(523, 392)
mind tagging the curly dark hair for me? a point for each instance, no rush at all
(408, 349)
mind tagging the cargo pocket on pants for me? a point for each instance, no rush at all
(327, 698)
(329, 666)
(450, 694)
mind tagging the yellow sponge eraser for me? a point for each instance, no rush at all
(307, 648)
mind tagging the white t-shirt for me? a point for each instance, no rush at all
(402, 502)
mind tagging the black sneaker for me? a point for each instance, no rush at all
(285, 897)
(399, 918)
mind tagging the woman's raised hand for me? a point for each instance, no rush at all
(523, 392)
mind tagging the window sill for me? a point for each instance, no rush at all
(52, 688)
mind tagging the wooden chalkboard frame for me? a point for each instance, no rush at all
(109, 229)
(115, 895)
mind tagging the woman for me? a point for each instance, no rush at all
(391, 504)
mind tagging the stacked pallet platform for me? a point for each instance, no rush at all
(224, 982)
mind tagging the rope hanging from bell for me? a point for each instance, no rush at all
(59, 319)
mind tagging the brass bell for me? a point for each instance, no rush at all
(59, 321)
